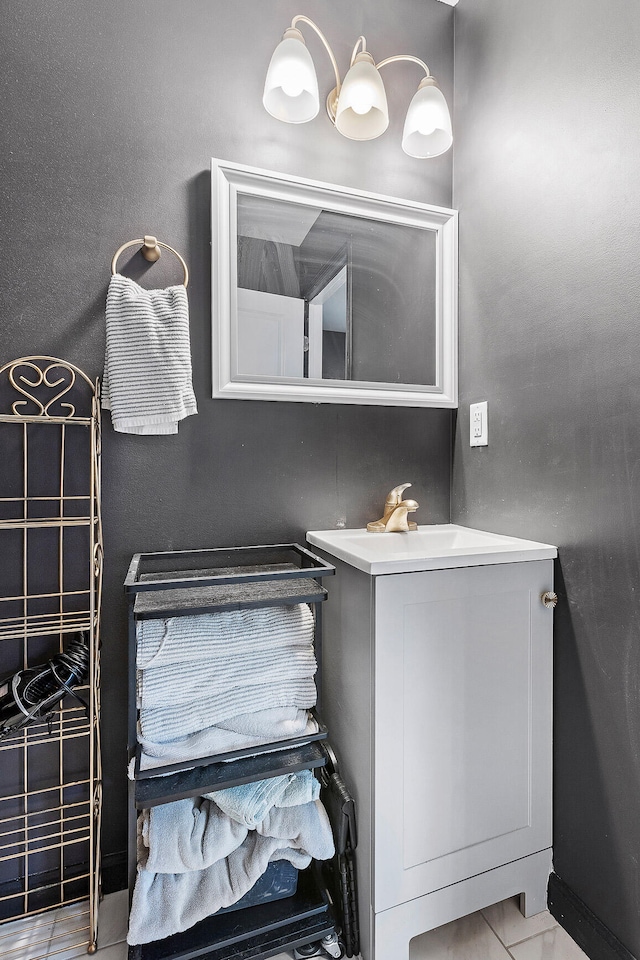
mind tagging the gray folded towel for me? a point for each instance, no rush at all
(237, 733)
(187, 835)
(216, 636)
(147, 371)
(167, 903)
(171, 721)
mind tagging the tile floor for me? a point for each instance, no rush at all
(497, 933)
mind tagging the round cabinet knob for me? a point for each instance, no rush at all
(550, 599)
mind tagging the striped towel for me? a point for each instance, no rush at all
(186, 682)
(172, 721)
(147, 371)
(208, 636)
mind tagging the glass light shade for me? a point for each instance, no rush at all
(291, 86)
(362, 112)
(427, 128)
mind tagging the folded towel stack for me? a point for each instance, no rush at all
(217, 682)
(200, 855)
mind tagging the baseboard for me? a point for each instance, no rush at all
(591, 935)
(114, 871)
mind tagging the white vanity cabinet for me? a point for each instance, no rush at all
(437, 686)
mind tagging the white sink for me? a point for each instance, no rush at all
(430, 547)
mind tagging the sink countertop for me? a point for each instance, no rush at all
(430, 547)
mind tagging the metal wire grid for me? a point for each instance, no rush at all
(59, 821)
(69, 933)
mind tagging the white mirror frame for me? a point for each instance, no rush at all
(230, 178)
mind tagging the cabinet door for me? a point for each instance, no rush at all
(463, 687)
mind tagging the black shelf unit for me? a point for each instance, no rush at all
(185, 583)
(287, 760)
(257, 932)
(215, 776)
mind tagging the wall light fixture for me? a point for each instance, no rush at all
(357, 105)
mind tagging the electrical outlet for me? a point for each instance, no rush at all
(479, 424)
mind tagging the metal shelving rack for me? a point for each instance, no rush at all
(173, 584)
(51, 559)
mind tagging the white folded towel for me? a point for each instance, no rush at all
(247, 730)
(147, 372)
(219, 635)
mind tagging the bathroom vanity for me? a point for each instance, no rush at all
(437, 686)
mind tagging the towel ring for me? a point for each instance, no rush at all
(150, 250)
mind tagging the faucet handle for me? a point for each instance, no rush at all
(394, 497)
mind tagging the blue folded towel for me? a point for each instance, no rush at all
(249, 803)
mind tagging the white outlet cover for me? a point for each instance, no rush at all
(479, 424)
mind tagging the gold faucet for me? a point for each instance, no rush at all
(394, 519)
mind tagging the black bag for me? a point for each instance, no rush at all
(340, 872)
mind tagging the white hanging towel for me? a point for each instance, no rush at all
(147, 371)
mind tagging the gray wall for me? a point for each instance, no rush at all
(546, 180)
(110, 114)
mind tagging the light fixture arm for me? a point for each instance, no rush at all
(360, 42)
(404, 56)
(301, 19)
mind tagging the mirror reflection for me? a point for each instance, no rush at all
(330, 296)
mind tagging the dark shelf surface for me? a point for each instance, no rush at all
(190, 601)
(151, 792)
(273, 745)
(257, 932)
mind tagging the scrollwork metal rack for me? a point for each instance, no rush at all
(51, 558)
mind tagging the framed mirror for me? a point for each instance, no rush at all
(327, 294)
